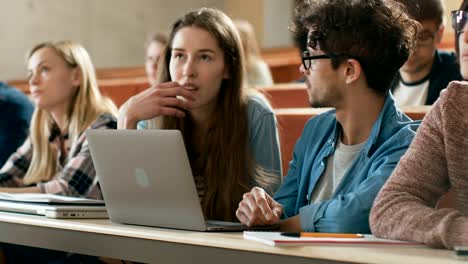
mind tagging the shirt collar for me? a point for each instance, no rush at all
(388, 110)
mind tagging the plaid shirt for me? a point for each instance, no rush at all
(75, 175)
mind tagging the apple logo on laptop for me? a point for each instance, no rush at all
(142, 179)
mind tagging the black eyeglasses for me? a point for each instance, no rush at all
(307, 58)
(459, 18)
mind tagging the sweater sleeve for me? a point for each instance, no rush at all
(405, 207)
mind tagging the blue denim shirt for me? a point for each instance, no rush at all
(348, 209)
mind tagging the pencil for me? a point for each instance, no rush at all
(323, 235)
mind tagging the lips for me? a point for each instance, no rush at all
(464, 56)
(35, 93)
(190, 86)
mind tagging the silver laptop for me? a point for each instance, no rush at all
(145, 178)
(55, 210)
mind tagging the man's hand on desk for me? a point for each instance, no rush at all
(258, 208)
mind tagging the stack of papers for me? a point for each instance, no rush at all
(277, 239)
(47, 199)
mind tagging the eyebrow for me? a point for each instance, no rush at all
(200, 50)
(38, 65)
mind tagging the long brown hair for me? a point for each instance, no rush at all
(224, 159)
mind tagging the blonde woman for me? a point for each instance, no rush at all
(258, 72)
(55, 158)
(154, 49)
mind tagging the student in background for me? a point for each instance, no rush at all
(436, 162)
(258, 72)
(230, 132)
(16, 111)
(55, 158)
(154, 50)
(428, 70)
(344, 156)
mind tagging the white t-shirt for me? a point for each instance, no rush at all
(411, 94)
(337, 165)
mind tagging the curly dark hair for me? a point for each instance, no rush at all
(432, 10)
(377, 33)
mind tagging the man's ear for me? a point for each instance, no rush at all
(76, 76)
(439, 34)
(353, 70)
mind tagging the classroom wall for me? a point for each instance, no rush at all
(449, 6)
(269, 18)
(113, 31)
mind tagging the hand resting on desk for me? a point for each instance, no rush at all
(258, 208)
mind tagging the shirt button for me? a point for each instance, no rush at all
(322, 164)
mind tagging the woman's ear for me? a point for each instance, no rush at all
(77, 78)
(353, 70)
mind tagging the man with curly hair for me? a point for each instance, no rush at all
(344, 156)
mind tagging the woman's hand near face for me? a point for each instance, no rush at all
(167, 99)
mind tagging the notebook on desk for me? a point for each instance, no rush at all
(47, 198)
(55, 210)
(146, 179)
(278, 239)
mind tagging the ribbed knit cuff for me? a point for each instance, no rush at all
(458, 233)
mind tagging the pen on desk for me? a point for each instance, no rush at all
(323, 235)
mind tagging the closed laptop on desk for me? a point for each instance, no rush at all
(146, 179)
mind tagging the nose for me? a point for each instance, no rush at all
(154, 63)
(302, 69)
(189, 69)
(34, 79)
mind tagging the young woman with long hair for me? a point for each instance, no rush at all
(230, 132)
(55, 158)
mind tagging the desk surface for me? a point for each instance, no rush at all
(102, 237)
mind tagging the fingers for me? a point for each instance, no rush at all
(255, 209)
(277, 210)
(173, 92)
(172, 89)
(174, 102)
(260, 201)
(171, 111)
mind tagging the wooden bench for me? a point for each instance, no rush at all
(284, 63)
(119, 90)
(287, 95)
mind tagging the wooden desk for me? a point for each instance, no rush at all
(145, 244)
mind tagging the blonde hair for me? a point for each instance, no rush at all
(85, 106)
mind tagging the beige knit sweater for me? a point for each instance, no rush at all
(436, 161)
